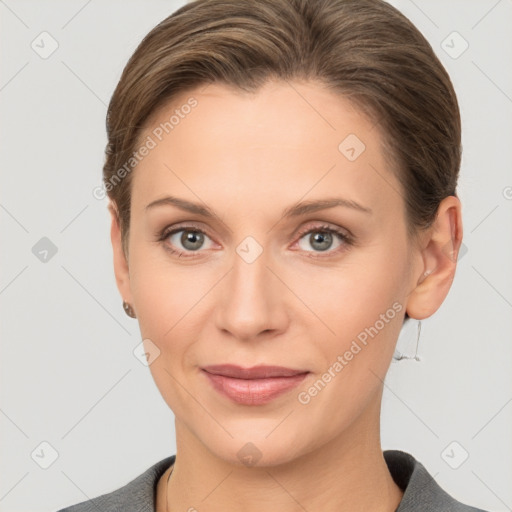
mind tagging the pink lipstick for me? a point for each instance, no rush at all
(253, 386)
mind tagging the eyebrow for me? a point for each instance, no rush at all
(301, 208)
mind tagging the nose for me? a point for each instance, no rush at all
(251, 300)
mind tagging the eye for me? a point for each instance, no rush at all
(184, 240)
(322, 238)
(187, 241)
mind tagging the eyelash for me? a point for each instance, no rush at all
(346, 240)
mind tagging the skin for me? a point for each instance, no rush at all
(248, 157)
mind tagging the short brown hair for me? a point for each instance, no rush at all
(366, 50)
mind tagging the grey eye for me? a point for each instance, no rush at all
(189, 240)
(318, 239)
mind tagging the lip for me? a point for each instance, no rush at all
(258, 385)
(255, 372)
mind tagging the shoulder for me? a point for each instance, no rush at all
(138, 495)
(421, 491)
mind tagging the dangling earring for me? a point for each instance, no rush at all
(128, 310)
(398, 356)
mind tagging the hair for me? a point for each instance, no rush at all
(365, 50)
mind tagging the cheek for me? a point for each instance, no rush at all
(170, 314)
(364, 312)
(169, 310)
(358, 314)
(165, 294)
(352, 295)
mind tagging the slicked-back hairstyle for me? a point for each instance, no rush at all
(365, 50)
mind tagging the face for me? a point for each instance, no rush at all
(261, 272)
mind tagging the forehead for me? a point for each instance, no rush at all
(280, 142)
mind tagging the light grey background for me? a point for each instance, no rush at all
(68, 374)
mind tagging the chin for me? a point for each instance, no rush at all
(255, 449)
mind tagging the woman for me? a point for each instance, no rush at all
(282, 180)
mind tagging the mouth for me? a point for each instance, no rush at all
(258, 385)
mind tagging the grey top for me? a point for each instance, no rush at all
(421, 491)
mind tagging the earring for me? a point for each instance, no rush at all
(398, 356)
(128, 310)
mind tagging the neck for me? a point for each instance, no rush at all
(347, 473)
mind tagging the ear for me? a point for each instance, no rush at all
(439, 252)
(121, 269)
